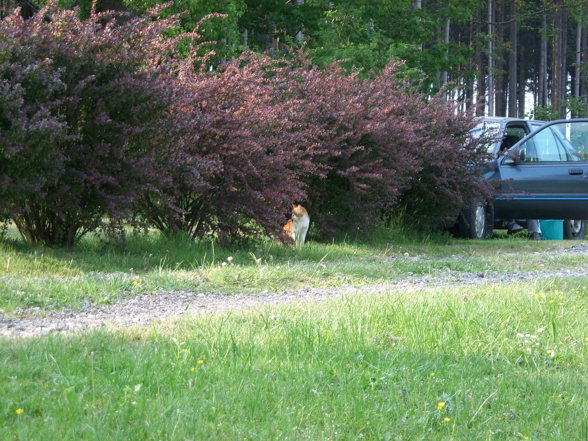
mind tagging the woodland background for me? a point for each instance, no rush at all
(518, 57)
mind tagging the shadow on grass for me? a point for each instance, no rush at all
(153, 251)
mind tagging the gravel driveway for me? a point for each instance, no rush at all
(147, 308)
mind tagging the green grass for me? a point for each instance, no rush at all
(509, 362)
(496, 362)
(33, 276)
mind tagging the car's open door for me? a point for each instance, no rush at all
(545, 175)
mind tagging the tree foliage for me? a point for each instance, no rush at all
(497, 52)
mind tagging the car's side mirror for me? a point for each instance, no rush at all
(514, 157)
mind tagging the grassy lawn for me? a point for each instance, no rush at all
(55, 278)
(501, 362)
(493, 362)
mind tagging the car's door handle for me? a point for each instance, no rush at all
(576, 171)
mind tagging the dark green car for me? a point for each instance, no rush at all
(542, 176)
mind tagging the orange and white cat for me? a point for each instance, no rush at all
(297, 226)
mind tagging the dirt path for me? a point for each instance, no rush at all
(147, 308)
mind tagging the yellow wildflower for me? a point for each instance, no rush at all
(441, 405)
(135, 282)
(432, 374)
(19, 411)
(446, 419)
(200, 362)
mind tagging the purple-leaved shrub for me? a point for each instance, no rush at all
(102, 119)
(353, 150)
(84, 116)
(248, 150)
(383, 147)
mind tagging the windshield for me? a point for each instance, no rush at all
(488, 129)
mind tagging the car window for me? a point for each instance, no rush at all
(574, 137)
(515, 131)
(554, 144)
(512, 135)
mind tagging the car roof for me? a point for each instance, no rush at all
(503, 120)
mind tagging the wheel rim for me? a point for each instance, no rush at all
(480, 220)
(575, 227)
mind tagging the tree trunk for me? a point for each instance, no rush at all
(300, 34)
(558, 61)
(419, 5)
(469, 80)
(481, 70)
(542, 88)
(444, 74)
(522, 83)
(500, 76)
(578, 60)
(563, 78)
(584, 68)
(512, 65)
(490, 85)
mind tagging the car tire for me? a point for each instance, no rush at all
(574, 229)
(476, 221)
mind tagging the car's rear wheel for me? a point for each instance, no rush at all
(574, 229)
(476, 221)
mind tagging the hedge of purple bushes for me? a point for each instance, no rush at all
(103, 121)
